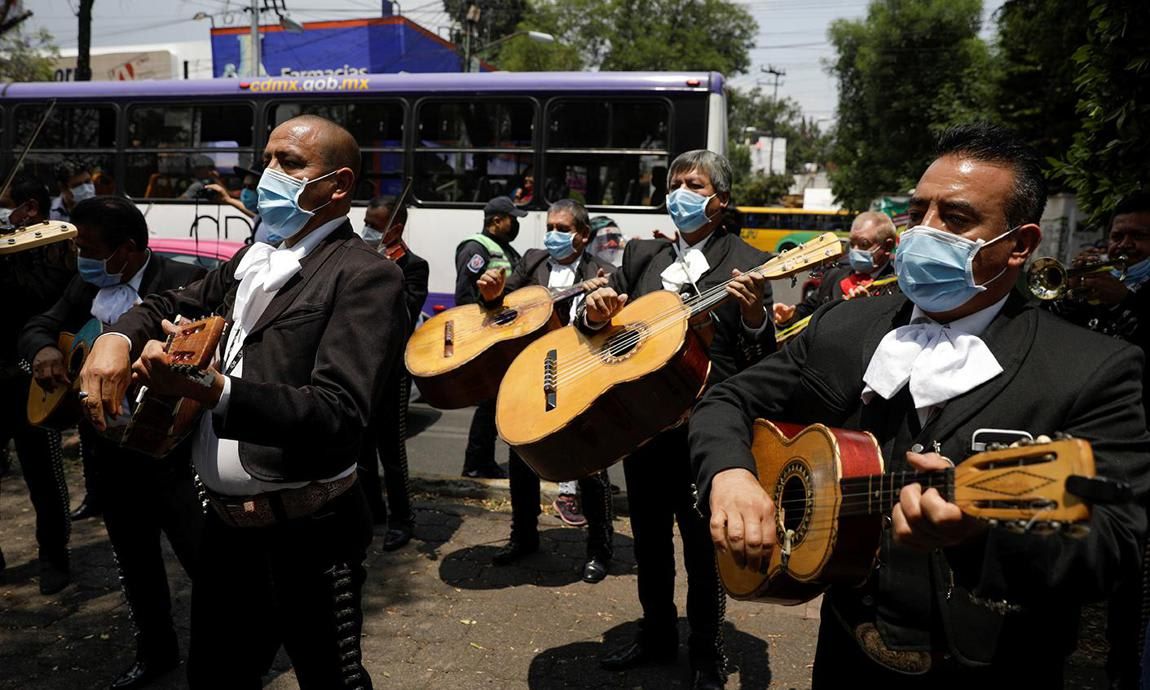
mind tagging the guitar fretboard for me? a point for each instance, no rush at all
(877, 494)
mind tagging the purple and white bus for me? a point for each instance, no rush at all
(604, 138)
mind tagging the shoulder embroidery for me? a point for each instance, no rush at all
(476, 264)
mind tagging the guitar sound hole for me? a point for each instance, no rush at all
(623, 344)
(793, 495)
(505, 317)
(795, 501)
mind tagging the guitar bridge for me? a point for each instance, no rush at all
(549, 369)
(449, 338)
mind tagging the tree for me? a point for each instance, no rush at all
(497, 18)
(1110, 156)
(26, 57)
(910, 69)
(1034, 92)
(84, 57)
(615, 35)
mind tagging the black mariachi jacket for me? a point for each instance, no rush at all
(1056, 377)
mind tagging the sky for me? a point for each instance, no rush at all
(792, 34)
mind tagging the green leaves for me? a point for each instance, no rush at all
(25, 57)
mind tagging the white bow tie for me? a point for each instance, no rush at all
(686, 269)
(939, 363)
(112, 302)
(263, 268)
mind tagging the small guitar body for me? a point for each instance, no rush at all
(458, 357)
(159, 423)
(830, 494)
(572, 404)
(59, 408)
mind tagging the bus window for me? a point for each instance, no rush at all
(607, 153)
(176, 150)
(83, 135)
(376, 125)
(472, 151)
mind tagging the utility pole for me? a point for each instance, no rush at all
(777, 74)
(470, 20)
(255, 52)
(84, 58)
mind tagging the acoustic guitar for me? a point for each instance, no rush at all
(572, 404)
(59, 408)
(156, 424)
(459, 356)
(830, 494)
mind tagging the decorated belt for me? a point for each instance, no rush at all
(274, 507)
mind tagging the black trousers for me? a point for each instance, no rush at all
(660, 492)
(298, 583)
(596, 503)
(386, 444)
(41, 463)
(480, 452)
(147, 497)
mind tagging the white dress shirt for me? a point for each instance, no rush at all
(562, 276)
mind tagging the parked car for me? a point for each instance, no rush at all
(206, 253)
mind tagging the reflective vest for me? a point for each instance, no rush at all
(498, 256)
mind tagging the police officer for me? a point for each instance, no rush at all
(490, 249)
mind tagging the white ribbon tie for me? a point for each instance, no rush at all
(686, 269)
(938, 362)
(112, 302)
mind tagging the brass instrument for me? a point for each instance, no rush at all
(1048, 279)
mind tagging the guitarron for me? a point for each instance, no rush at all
(830, 495)
(573, 404)
(458, 357)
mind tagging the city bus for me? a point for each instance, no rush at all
(776, 229)
(603, 138)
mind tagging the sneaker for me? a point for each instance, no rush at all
(492, 472)
(567, 506)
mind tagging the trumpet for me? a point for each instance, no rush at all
(1048, 279)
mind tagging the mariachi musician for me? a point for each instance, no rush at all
(872, 241)
(561, 265)
(383, 228)
(143, 496)
(951, 603)
(706, 254)
(31, 281)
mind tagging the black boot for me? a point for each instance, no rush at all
(644, 650)
(516, 548)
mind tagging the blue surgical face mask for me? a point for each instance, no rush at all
(250, 198)
(279, 208)
(560, 245)
(83, 191)
(95, 272)
(688, 210)
(862, 261)
(936, 268)
(371, 235)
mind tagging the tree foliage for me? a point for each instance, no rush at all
(615, 35)
(1110, 156)
(1033, 92)
(497, 18)
(27, 57)
(910, 69)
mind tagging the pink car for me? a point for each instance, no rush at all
(206, 253)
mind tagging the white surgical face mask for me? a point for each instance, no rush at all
(83, 191)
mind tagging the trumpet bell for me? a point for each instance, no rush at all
(1047, 279)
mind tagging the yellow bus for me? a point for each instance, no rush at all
(775, 229)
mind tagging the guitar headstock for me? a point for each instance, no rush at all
(38, 235)
(192, 349)
(826, 247)
(1025, 487)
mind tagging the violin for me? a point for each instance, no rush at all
(396, 250)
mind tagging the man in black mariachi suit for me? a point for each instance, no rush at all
(951, 603)
(490, 249)
(659, 484)
(872, 241)
(144, 496)
(563, 264)
(387, 442)
(315, 327)
(31, 282)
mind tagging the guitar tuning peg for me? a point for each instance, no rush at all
(993, 522)
(1062, 436)
(996, 446)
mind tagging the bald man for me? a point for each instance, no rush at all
(314, 325)
(872, 241)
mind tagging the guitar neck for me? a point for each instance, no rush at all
(558, 295)
(876, 494)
